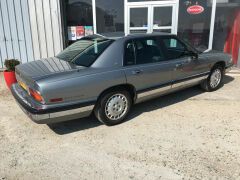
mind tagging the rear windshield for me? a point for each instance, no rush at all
(85, 51)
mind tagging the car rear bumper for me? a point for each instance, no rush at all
(42, 115)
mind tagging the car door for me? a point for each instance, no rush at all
(188, 69)
(146, 67)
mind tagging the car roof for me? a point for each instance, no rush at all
(117, 35)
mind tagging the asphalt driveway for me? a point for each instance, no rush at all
(189, 134)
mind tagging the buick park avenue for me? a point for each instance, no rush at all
(106, 76)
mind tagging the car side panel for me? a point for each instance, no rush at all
(215, 56)
(192, 67)
(153, 79)
(189, 71)
(82, 88)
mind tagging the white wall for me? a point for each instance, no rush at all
(46, 27)
(29, 29)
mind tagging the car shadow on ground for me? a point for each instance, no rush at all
(151, 105)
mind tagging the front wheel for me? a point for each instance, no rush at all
(113, 107)
(214, 80)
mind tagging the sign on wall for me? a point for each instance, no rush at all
(80, 32)
(195, 9)
(88, 30)
(72, 36)
(77, 32)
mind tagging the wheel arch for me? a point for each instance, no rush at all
(129, 87)
(219, 63)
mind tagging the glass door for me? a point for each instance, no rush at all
(150, 18)
(164, 18)
(138, 19)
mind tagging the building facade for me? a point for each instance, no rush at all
(29, 29)
(47, 26)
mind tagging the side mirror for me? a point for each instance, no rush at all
(196, 55)
(193, 55)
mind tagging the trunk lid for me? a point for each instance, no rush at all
(30, 72)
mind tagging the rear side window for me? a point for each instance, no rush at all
(85, 51)
(89, 55)
(174, 48)
(143, 51)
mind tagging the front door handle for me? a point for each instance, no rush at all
(136, 71)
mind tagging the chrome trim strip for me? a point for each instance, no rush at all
(155, 91)
(71, 112)
(189, 82)
(162, 90)
(35, 117)
(40, 117)
(21, 96)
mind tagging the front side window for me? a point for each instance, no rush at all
(174, 48)
(148, 51)
(143, 51)
(84, 52)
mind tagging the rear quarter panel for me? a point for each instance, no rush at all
(81, 86)
(87, 84)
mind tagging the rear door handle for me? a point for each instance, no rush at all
(179, 65)
(136, 71)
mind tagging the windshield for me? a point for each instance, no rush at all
(85, 51)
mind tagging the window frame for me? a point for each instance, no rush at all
(191, 50)
(96, 57)
(188, 49)
(140, 38)
(124, 54)
(78, 55)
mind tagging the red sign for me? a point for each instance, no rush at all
(196, 9)
(79, 32)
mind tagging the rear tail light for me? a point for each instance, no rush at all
(36, 95)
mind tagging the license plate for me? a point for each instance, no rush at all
(23, 85)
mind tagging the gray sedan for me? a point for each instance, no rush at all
(106, 76)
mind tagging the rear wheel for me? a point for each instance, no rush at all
(113, 107)
(214, 80)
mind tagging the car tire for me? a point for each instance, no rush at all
(214, 80)
(113, 107)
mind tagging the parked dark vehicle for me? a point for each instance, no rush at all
(107, 76)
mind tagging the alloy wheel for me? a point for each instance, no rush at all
(116, 106)
(215, 78)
